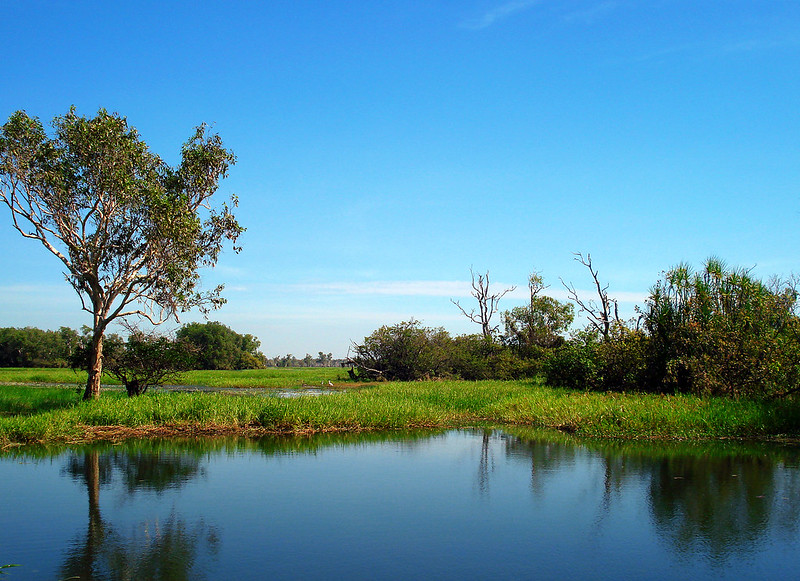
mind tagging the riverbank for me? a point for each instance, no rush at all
(57, 415)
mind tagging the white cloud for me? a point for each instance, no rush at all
(497, 14)
(455, 289)
(589, 15)
(432, 288)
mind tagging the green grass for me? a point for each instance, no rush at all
(272, 377)
(57, 415)
(284, 377)
(41, 375)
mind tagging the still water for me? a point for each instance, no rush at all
(482, 504)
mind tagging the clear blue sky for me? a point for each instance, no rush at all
(385, 147)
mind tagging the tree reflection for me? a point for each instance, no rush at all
(720, 505)
(154, 550)
(711, 500)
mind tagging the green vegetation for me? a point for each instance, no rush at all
(220, 347)
(32, 347)
(56, 415)
(714, 355)
(147, 360)
(130, 231)
(717, 332)
(284, 377)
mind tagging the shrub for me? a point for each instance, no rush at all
(723, 332)
(574, 364)
(142, 361)
(406, 351)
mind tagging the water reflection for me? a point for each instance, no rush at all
(153, 550)
(502, 503)
(711, 499)
(721, 505)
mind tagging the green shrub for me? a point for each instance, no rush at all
(723, 332)
(574, 364)
(406, 351)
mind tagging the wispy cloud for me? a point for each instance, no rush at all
(702, 51)
(429, 288)
(455, 289)
(758, 45)
(498, 14)
(589, 15)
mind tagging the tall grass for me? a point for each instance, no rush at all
(53, 414)
(284, 377)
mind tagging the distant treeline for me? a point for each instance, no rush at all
(717, 331)
(215, 346)
(32, 347)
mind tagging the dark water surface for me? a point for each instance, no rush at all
(482, 504)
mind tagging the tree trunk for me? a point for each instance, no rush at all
(95, 367)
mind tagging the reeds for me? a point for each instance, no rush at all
(56, 414)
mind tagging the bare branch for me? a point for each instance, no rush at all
(599, 315)
(487, 303)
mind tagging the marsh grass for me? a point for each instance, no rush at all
(42, 375)
(283, 377)
(56, 414)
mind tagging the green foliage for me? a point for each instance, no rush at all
(474, 357)
(722, 332)
(622, 360)
(469, 357)
(131, 231)
(141, 361)
(590, 362)
(406, 351)
(32, 347)
(220, 347)
(396, 405)
(410, 352)
(574, 364)
(539, 325)
(148, 360)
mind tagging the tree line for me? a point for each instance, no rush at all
(715, 331)
(211, 345)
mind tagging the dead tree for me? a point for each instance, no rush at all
(600, 315)
(487, 303)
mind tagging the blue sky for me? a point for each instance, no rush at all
(384, 148)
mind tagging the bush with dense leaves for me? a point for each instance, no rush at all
(141, 361)
(406, 351)
(220, 347)
(722, 332)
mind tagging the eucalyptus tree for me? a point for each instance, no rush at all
(131, 231)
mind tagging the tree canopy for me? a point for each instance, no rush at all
(131, 231)
(220, 347)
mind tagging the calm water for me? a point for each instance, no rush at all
(458, 505)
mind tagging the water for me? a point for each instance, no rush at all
(456, 505)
